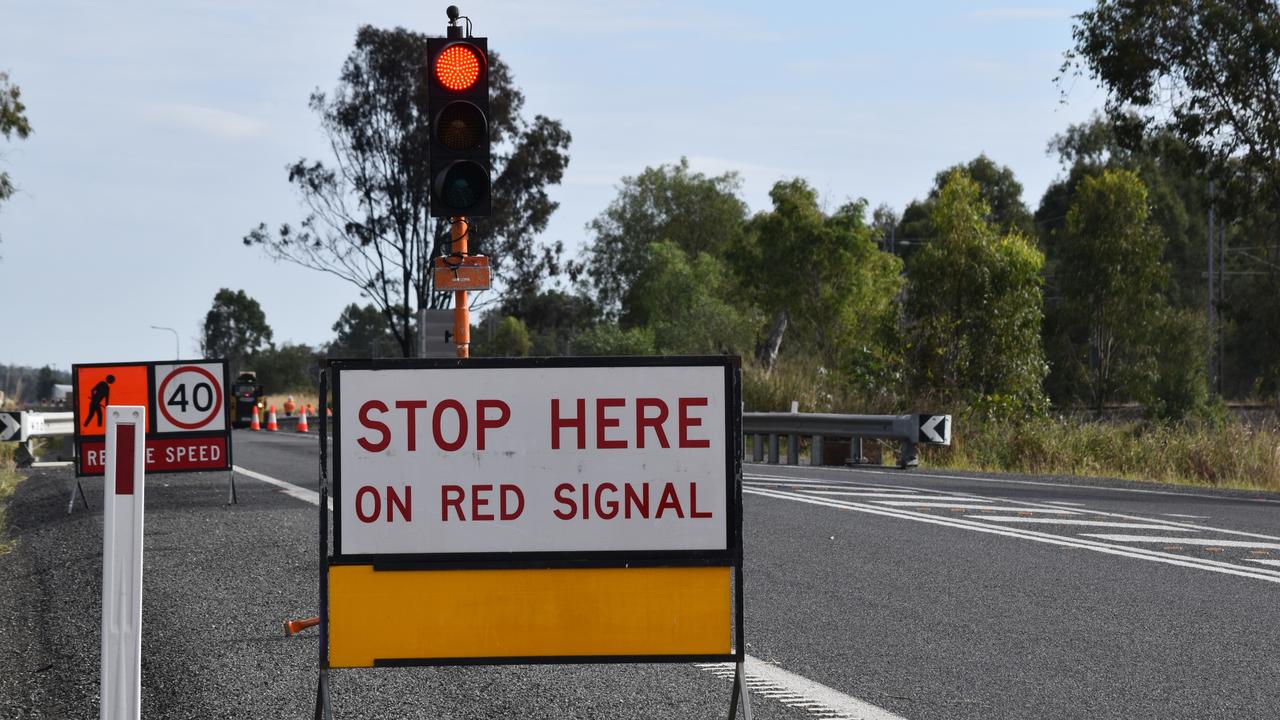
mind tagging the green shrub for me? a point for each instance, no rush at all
(608, 339)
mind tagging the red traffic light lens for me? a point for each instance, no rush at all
(458, 67)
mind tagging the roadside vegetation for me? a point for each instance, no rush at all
(1012, 317)
(9, 479)
(1227, 454)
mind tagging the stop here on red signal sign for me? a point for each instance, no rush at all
(533, 459)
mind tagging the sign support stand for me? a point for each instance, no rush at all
(76, 490)
(740, 693)
(697, 569)
(231, 488)
(324, 708)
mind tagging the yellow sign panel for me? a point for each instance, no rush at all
(433, 615)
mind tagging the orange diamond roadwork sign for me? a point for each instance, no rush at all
(187, 413)
(461, 272)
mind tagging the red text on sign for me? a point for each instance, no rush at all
(488, 415)
(644, 500)
(369, 504)
(604, 415)
(509, 500)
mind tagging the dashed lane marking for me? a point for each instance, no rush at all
(1192, 517)
(1060, 540)
(1075, 521)
(880, 495)
(794, 690)
(1274, 563)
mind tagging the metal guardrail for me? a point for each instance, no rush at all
(47, 424)
(910, 430)
(25, 426)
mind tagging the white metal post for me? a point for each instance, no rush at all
(121, 677)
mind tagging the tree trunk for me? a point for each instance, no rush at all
(767, 352)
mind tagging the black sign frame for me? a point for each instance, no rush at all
(152, 409)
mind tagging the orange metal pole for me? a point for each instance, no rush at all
(461, 314)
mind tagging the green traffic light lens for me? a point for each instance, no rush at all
(463, 185)
(461, 126)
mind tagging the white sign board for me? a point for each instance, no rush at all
(534, 459)
(189, 397)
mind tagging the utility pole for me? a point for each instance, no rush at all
(1211, 355)
(1222, 297)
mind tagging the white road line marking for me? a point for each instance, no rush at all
(1260, 561)
(844, 486)
(1102, 513)
(794, 690)
(916, 473)
(933, 502)
(1064, 541)
(881, 495)
(289, 488)
(1069, 521)
(1193, 517)
(1064, 502)
(1186, 541)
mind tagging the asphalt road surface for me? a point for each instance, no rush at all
(869, 594)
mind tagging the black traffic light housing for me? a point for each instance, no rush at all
(458, 100)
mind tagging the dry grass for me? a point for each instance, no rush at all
(1230, 454)
(9, 479)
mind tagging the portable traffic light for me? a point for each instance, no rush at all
(458, 99)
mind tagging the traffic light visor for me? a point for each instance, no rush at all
(462, 185)
(458, 66)
(461, 126)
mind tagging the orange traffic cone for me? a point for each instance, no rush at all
(256, 424)
(302, 421)
(293, 627)
(271, 419)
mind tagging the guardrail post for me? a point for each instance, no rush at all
(815, 451)
(757, 447)
(855, 451)
(793, 449)
(908, 457)
(773, 448)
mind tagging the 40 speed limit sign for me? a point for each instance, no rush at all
(189, 397)
(188, 429)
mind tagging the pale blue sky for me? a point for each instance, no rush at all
(162, 130)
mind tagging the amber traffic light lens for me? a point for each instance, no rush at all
(461, 126)
(458, 67)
